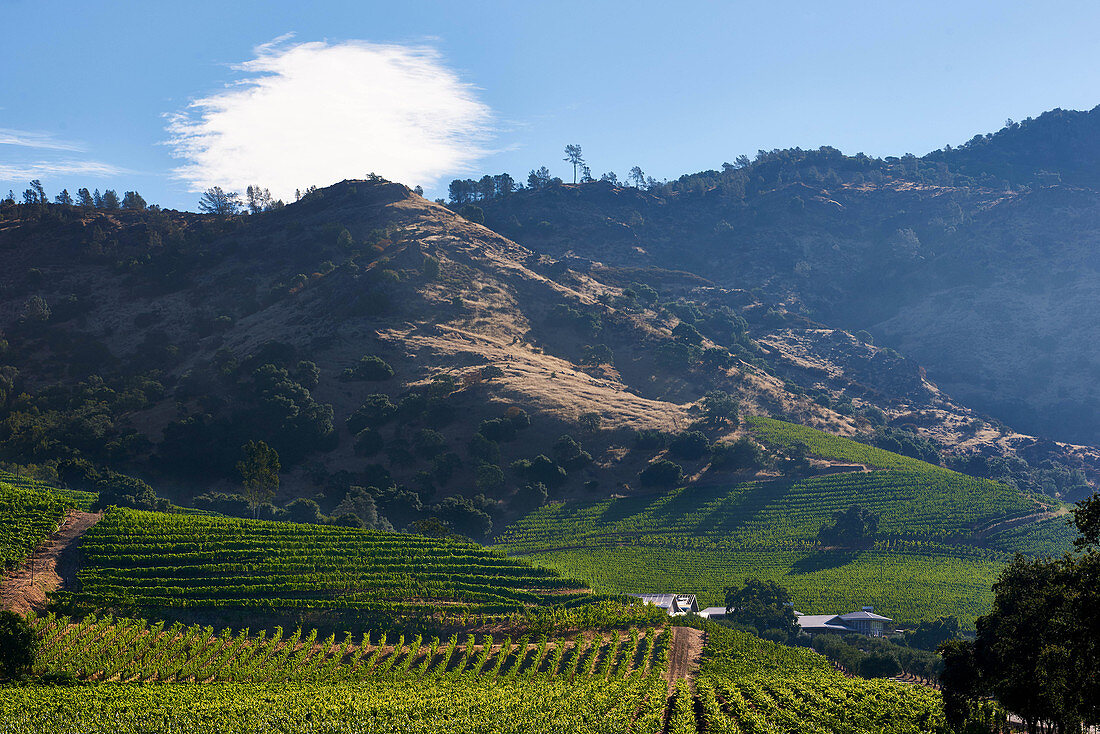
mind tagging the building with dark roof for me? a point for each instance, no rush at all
(863, 622)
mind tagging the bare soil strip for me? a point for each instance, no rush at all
(52, 565)
(685, 653)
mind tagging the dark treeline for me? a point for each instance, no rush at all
(1037, 652)
(36, 197)
(1001, 160)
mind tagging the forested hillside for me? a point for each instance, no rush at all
(368, 357)
(978, 261)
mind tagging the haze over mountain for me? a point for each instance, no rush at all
(157, 343)
(980, 261)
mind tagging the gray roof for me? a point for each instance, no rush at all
(680, 603)
(853, 616)
(822, 622)
(662, 600)
(713, 612)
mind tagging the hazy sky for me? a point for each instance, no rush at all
(171, 98)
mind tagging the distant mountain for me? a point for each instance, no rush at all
(409, 365)
(1060, 146)
(981, 262)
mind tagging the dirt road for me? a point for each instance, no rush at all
(685, 652)
(52, 565)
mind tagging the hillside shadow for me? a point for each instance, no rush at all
(824, 561)
(624, 507)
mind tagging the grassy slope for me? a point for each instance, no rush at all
(928, 559)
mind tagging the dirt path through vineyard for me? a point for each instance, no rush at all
(684, 654)
(53, 564)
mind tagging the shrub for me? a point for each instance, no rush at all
(720, 407)
(687, 333)
(370, 369)
(368, 442)
(484, 449)
(689, 445)
(473, 213)
(18, 645)
(540, 469)
(305, 511)
(491, 371)
(663, 473)
(743, 453)
(531, 496)
(569, 453)
(489, 477)
(464, 516)
(650, 438)
(376, 410)
(348, 520)
(590, 421)
(226, 504)
(429, 443)
(125, 491)
(499, 429)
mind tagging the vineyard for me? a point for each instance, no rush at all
(747, 685)
(827, 446)
(28, 513)
(920, 506)
(126, 650)
(908, 586)
(594, 706)
(934, 551)
(590, 685)
(153, 561)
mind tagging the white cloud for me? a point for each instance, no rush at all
(29, 139)
(317, 113)
(45, 169)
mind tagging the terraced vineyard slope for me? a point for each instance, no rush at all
(942, 536)
(163, 563)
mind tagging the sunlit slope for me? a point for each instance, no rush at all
(29, 512)
(941, 539)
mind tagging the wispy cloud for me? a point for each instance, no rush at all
(45, 169)
(316, 113)
(30, 139)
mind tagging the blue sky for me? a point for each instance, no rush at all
(427, 91)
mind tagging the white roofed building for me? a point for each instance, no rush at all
(674, 604)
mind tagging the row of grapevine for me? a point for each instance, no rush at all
(427, 706)
(127, 650)
(27, 516)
